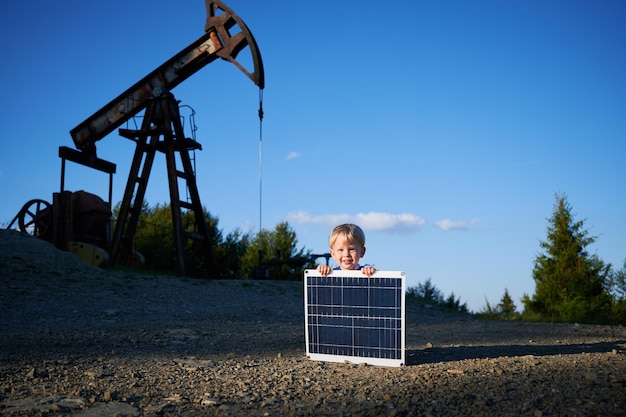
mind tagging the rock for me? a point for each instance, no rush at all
(210, 402)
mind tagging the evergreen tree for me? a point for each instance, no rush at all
(570, 283)
(429, 292)
(505, 310)
(506, 307)
(454, 303)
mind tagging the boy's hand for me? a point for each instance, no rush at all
(368, 270)
(324, 269)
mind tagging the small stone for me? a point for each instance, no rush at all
(210, 402)
(175, 398)
(109, 395)
(591, 376)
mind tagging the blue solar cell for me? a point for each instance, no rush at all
(351, 317)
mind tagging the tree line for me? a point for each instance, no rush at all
(235, 255)
(571, 284)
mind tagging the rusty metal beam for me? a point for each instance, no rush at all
(217, 42)
(135, 99)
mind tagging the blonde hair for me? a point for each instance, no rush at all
(348, 231)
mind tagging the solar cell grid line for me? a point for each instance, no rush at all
(354, 318)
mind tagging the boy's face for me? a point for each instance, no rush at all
(346, 253)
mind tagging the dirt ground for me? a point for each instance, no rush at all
(78, 340)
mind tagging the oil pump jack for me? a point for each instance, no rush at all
(161, 131)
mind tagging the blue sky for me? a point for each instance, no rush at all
(444, 128)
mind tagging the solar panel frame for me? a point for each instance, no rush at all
(350, 317)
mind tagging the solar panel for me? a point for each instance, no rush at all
(350, 317)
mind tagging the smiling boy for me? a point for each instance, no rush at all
(347, 247)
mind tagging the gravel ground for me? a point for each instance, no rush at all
(89, 342)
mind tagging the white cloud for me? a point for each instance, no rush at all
(447, 224)
(403, 222)
(293, 155)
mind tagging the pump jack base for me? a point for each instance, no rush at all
(90, 253)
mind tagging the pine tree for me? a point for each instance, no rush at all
(570, 283)
(506, 307)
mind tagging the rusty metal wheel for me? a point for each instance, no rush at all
(35, 217)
